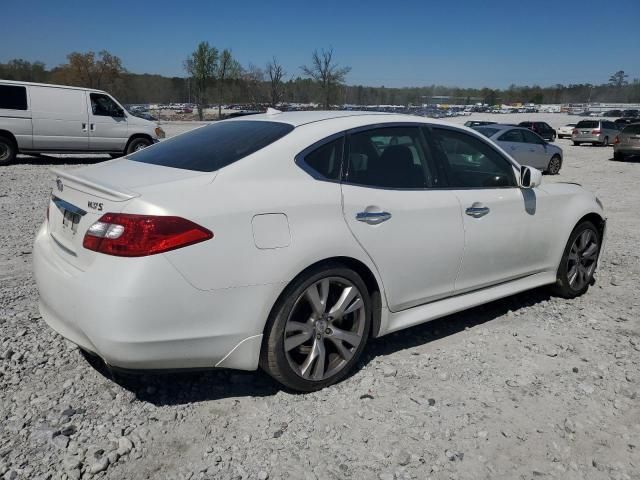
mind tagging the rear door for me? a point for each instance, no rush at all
(59, 117)
(506, 228)
(535, 150)
(108, 127)
(410, 229)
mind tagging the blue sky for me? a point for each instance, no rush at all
(467, 43)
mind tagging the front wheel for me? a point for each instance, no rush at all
(578, 264)
(554, 165)
(318, 329)
(137, 144)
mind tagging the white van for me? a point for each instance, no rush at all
(41, 118)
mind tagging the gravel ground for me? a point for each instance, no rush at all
(531, 386)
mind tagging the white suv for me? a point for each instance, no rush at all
(41, 118)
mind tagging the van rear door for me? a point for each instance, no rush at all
(60, 121)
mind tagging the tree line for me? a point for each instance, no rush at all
(215, 77)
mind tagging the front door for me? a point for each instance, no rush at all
(505, 226)
(412, 231)
(108, 128)
(536, 151)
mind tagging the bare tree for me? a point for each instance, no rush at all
(276, 73)
(324, 71)
(90, 70)
(201, 66)
(618, 79)
(253, 79)
(228, 69)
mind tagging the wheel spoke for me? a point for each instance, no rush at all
(344, 302)
(317, 296)
(296, 340)
(318, 369)
(298, 327)
(351, 338)
(343, 351)
(590, 252)
(572, 275)
(305, 368)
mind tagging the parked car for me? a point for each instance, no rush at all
(622, 122)
(566, 130)
(596, 132)
(287, 240)
(478, 123)
(612, 113)
(627, 142)
(40, 118)
(527, 147)
(631, 113)
(541, 128)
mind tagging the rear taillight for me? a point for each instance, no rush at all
(128, 235)
(595, 132)
(616, 140)
(574, 131)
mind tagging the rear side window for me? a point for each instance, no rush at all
(486, 131)
(512, 136)
(13, 97)
(325, 161)
(210, 148)
(632, 129)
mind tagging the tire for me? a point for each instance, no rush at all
(578, 265)
(8, 150)
(554, 165)
(137, 144)
(310, 329)
(605, 142)
(553, 137)
(576, 144)
(619, 156)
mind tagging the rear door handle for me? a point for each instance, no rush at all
(477, 210)
(92, 127)
(373, 218)
(84, 127)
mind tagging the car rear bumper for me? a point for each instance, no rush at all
(588, 138)
(142, 314)
(627, 149)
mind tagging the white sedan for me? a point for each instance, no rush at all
(287, 240)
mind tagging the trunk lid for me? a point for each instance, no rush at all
(80, 197)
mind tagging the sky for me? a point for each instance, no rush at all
(465, 43)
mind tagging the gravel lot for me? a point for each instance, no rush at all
(527, 387)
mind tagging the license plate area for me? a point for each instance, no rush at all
(70, 221)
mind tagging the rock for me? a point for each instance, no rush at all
(403, 458)
(10, 475)
(71, 463)
(262, 475)
(124, 446)
(615, 281)
(100, 466)
(453, 456)
(431, 402)
(569, 426)
(61, 441)
(389, 371)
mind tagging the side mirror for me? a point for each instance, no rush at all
(530, 177)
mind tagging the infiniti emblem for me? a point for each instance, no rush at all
(59, 184)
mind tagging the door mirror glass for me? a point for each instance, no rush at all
(530, 177)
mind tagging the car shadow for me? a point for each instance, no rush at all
(53, 160)
(183, 387)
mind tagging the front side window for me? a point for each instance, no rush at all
(326, 160)
(102, 105)
(210, 148)
(391, 157)
(471, 163)
(13, 97)
(512, 136)
(530, 137)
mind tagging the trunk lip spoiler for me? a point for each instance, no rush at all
(111, 193)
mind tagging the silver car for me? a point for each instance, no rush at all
(527, 147)
(627, 143)
(596, 132)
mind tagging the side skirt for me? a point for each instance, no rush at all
(431, 311)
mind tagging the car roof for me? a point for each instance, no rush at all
(51, 85)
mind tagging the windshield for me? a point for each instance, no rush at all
(215, 146)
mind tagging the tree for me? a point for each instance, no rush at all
(227, 68)
(618, 79)
(201, 66)
(276, 73)
(253, 80)
(89, 70)
(327, 73)
(23, 70)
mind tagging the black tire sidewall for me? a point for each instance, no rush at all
(549, 167)
(135, 142)
(273, 358)
(12, 150)
(563, 288)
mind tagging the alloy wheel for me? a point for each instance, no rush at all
(554, 166)
(582, 259)
(325, 328)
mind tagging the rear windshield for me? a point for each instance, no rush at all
(486, 131)
(588, 124)
(215, 146)
(632, 129)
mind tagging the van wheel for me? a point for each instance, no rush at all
(605, 142)
(138, 144)
(8, 150)
(318, 328)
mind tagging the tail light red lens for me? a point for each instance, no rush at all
(595, 132)
(616, 140)
(574, 131)
(128, 235)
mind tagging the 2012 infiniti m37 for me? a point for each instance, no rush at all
(287, 240)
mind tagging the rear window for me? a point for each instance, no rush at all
(588, 124)
(13, 97)
(215, 146)
(486, 131)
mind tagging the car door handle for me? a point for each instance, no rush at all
(477, 210)
(92, 127)
(373, 218)
(84, 127)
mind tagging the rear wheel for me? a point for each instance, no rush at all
(137, 144)
(576, 144)
(578, 264)
(553, 137)
(8, 150)
(318, 329)
(605, 142)
(554, 165)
